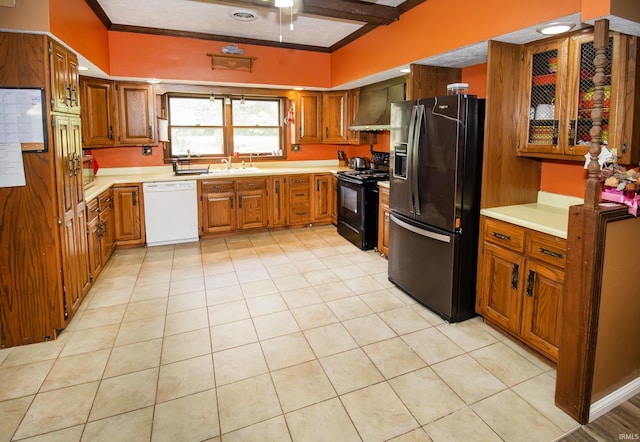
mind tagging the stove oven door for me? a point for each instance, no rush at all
(357, 212)
(350, 201)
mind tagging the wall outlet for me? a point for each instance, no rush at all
(146, 150)
(295, 148)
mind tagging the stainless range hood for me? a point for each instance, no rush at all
(374, 105)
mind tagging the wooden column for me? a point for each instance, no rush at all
(600, 43)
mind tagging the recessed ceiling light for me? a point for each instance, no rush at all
(244, 14)
(153, 81)
(298, 88)
(556, 28)
(83, 68)
(405, 70)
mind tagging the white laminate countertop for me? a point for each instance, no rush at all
(134, 175)
(550, 214)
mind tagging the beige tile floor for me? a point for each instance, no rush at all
(292, 335)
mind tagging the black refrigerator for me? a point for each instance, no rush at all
(434, 198)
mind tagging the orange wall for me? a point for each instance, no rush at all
(153, 56)
(74, 23)
(476, 77)
(563, 178)
(434, 27)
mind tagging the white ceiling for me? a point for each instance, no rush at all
(215, 17)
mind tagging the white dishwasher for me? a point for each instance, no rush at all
(170, 212)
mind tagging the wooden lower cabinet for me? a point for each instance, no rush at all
(520, 283)
(251, 194)
(229, 205)
(277, 194)
(383, 220)
(323, 196)
(217, 206)
(128, 211)
(299, 199)
(100, 231)
(334, 201)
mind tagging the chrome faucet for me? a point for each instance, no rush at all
(227, 162)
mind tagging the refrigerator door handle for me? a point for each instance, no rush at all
(410, 147)
(415, 191)
(418, 231)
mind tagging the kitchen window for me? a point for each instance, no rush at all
(220, 126)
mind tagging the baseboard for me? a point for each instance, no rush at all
(614, 399)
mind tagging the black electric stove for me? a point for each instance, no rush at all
(358, 201)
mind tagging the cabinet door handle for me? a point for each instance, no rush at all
(240, 202)
(95, 209)
(150, 132)
(299, 194)
(326, 131)
(277, 186)
(301, 213)
(71, 165)
(299, 180)
(501, 236)
(251, 184)
(530, 280)
(318, 186)
(231, 201)
(555, 132)
(134, 198)
(572, 133)
(514, 276)
(111, 132)
(551, 253)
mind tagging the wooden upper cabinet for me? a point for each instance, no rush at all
(117, 114)
(334, 117)
(556, 98)
(98, 112)
(309, 117)
(542, 99)
(65, 85)
(136, 114)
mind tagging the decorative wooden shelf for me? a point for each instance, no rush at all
(232, 62)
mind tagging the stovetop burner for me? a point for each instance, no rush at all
(366, 175)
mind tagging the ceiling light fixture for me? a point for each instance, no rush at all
(555, 28)
(405, 70)
(244, 14)
(83, 68)
(284, 4)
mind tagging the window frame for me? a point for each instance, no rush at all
(227, 126)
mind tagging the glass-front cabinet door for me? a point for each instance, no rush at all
(543, 96)
(580, 107)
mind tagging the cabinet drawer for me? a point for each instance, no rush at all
(93, 210)
(546, 248)
(505, 234)
(299, 180)
(300, 213)
(384, 197)
(251, 184)
(105, 201)
(300, 195)
(217, 186)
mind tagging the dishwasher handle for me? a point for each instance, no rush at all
(168, 186)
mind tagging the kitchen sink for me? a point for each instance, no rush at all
(226, 171)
